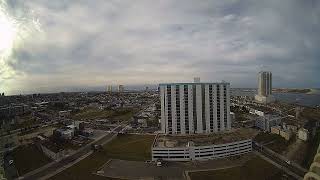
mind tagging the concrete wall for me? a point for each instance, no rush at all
(52, 155)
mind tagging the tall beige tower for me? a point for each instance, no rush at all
(120, 88)
(264, 87)
(264, 83)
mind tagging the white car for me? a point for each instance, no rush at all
(288, 162)
(159, 164)
(10, 162)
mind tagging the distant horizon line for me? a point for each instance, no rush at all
(89, 89)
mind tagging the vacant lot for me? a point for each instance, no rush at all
(311, 114)
(130, 147)
(92, 113)
(255, 168)
(273, 141)
(28, 158)
(312, 146)
(26, 121)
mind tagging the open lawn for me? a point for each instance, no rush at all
(28, 157)
(254, 169)
(130, 147)
(123, 114)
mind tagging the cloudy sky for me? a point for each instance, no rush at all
(93, 43)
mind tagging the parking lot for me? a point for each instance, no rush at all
(123, 169)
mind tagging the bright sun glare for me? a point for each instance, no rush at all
(7, 32)
(16, 28)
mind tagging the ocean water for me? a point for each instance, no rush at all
(312, 99)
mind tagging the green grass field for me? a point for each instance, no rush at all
(254, 169)
(28, 158)
(128, 147)
(123, 114)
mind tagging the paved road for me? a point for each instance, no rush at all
(52, 167)
(298, 171)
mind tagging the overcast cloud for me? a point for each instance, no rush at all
(93, 43)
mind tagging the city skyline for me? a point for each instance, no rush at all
(169, 89)
(66, 46)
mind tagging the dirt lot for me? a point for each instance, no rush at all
(29, 157)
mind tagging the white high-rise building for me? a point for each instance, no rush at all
(264, 87)
(195, 108)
